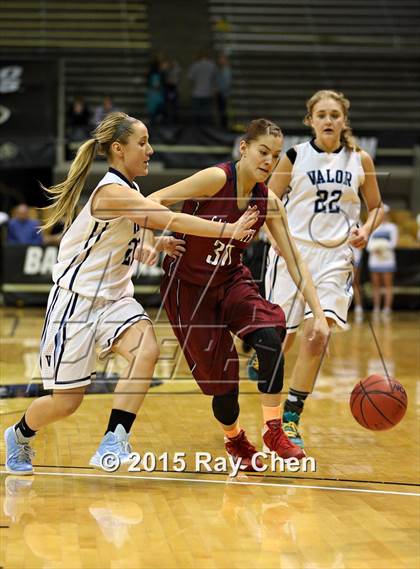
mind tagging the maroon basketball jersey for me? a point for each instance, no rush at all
(208, 260)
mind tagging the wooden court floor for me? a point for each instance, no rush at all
(360, 508)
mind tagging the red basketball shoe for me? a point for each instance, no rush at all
(275, 440)
(240, 447)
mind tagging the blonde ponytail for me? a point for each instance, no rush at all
(65, 196)
(346, 138)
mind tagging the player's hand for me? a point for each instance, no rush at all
(171, 246)
(358, 237)
(319, 335)
(146, 254)
(276, 249)
(242, 228)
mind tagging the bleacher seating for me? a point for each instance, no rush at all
(64, 25)
(103, 45)
(281, 52)
(384, 94)
(120, 76)
(407, 228)
(319, 22)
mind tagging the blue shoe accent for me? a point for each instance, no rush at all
(291, 416)
(253, 367)
(116, 444)
(290, 427)
(18, 453)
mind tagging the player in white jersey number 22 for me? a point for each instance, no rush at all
(319, 182)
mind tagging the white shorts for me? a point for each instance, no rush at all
(332, 273)
(382, 263)
(74, 326)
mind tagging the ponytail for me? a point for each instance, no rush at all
(66, 195)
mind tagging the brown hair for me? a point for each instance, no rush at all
(65, 195)
(261, 127)
(347, 138)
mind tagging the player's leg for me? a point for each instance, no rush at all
(281, 289)
(40, 413)
(198, 320)
(215, 367)
(358, 301)
(267, 343)
(226, 411)
(332, 272)
(302, 382)
(357, 289)
(289, 341)
(376, 291)
(138, 346)
(49, 408)
(261, 324)
(67, 358)
(388, 279)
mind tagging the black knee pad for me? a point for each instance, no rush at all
(267, 342)
(226, 407)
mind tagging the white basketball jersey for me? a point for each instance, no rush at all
(95, 256)
(323, 203)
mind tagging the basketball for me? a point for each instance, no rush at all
(378, 403)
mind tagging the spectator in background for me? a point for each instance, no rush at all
(203, 77)
(224, 80)
(102, 110)
(172, 76)
(382, 264)
(155, 94)
(78, 119)
(22, 229)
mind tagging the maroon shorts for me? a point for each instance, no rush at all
(203, 319)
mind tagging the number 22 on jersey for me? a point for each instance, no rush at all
(327, 202)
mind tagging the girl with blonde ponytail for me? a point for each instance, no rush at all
(320, 181)
(91, 304)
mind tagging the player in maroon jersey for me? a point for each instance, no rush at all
(208, 293)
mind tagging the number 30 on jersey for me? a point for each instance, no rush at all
(222, 254)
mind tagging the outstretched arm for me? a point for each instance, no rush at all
(203, 184)
(277, 224)
(118, 201)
